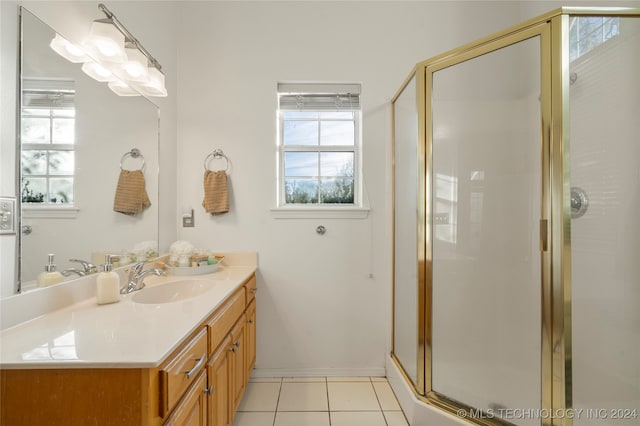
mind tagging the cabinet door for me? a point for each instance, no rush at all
(192, 410)
(250, 339)
(236, 365)
(218, 399)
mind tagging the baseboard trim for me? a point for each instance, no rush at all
(318, 372)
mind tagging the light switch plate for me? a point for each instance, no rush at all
(7, 215)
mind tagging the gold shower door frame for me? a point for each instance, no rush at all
(543, 33)
(555, 215)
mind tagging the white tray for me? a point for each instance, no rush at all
(195, 270)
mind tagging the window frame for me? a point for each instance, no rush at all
(357, 209)
(42, 94)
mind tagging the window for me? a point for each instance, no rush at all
(47, 142)
(588, 32)
(319, 145)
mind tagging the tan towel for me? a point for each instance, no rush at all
(131, 195)
(216, 194)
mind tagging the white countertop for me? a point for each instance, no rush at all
(119, 335)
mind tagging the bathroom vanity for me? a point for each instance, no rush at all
(179, 354)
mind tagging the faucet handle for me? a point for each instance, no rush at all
(87, 267)
(135, 269)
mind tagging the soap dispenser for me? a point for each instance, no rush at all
(50, 275)
(108, 284)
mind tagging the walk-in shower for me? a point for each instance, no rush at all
(516, 224)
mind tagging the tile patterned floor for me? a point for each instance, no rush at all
(319, 401)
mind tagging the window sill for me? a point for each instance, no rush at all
(320, 212)
(49, 212)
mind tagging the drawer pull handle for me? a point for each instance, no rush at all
(209, 390)
(250, 321)
(196, 367)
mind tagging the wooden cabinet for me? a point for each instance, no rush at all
(218, 390)
(251, 289)
(179, 372)
(250, 338)
(80, 396)
(230, 366)
(192, 410)
(236, 365)
(200, 383)
(225, 317)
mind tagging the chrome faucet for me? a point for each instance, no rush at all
(87, 267)
(70, 271)
(136, 278)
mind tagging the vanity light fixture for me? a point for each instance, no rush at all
(121, 88)
(105, 42)
(68, 50)
(154, 86)
(110, 53)
(97, 71)
(135, 67)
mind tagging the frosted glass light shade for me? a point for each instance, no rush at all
(155, 83)
(121, 88)
(97, 71)
(106, 42)
(68, 50)
(136, 66)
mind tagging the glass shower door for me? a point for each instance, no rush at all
(406, 238)
(487, 178)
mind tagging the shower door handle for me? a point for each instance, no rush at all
(544, 234)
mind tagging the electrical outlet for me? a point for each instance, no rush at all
(188, 220)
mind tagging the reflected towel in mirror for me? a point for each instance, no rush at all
(216, 194)
(131, 195)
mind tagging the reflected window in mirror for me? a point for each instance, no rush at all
(48, 142)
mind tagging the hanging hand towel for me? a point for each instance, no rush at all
(216, 195)
(131, 195)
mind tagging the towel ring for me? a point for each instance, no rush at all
(134, 153)
(217, 154)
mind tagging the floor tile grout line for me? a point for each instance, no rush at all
(329, 410)
(275, 413)
(379, 403)
(328, 403)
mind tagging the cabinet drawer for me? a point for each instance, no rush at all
(181, 370)
(251, 289)
(193, 408)
(224, 319)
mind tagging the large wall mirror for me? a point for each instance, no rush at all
(76, 136)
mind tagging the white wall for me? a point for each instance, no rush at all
(319, 311)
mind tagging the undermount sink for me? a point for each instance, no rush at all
(174, 291)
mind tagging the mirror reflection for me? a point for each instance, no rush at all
(77, 141)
